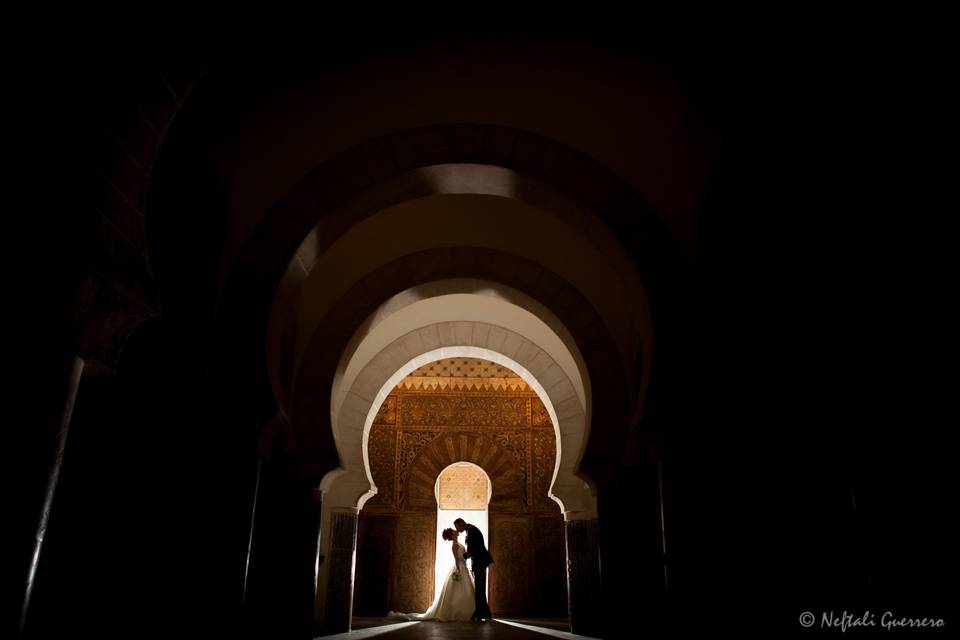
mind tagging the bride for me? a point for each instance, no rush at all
(456, 599)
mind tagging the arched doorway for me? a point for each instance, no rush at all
(453, 437)
(607, 333)
(463, 490)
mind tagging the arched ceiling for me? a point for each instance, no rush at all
(622, 111)
(451, 306)
(566, 240)
(500, 223)
(415, 332)
(568, 215)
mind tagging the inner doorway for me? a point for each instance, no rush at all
(477, 419)
(463, 490)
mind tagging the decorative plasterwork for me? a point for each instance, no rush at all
(463, 374)
(413, 417)
(463, 486)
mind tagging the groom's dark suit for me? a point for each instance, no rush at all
(480, 559)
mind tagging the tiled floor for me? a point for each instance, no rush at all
(387, 629)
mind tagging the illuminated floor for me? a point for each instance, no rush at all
(384, 629)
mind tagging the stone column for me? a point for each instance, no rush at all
(253, 523)
(280, 577)
(632, 549)
(52, 450)
(340, 558)
(583, 576)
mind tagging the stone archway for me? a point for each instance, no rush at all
(614, 403)
(607, 403)
(653, 256)
(569, 186)
(428, 423)
(346, 489)
(567, 166)
(500, 330)
(514, 211)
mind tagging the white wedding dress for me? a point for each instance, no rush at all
(456, 600)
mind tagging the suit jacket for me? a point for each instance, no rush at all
(476, 550)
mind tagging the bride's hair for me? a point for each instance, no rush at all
(448, 534)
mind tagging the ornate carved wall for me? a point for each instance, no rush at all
(476, 411)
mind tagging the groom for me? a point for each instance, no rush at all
(482, 559)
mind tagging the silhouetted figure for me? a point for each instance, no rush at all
(480, 559)
(455, 600)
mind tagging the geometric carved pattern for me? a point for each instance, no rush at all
(463, 368)
(515, 442)
(544, 458)
(411, 442)
(387, 413)
(463, 411)
(411, 383)
(382, 450)
(414, 548)
(408, 422)
(539, 414)
(511, 547)
(463, 487)
(463, 374)
(436, 419)
(472, 447)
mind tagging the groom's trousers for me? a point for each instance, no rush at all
(482, 609)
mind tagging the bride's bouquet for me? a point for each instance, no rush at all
(456, 576)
